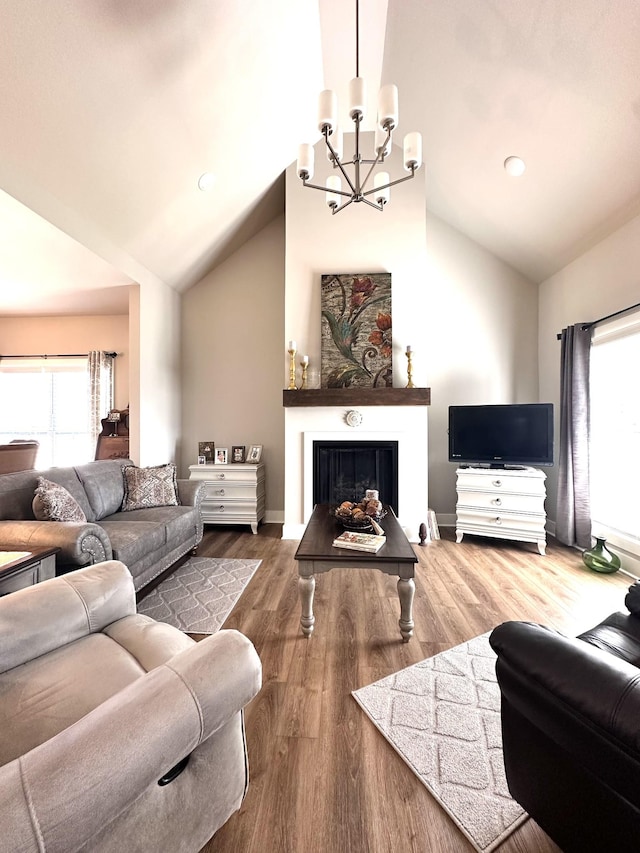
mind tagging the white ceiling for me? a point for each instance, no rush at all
(111, 110)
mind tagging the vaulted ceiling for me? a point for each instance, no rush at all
(110, 110)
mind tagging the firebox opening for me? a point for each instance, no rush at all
(344, 470)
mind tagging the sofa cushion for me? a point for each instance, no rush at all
(149, 487)
(130, 541)
(53, 502)
(103, 484)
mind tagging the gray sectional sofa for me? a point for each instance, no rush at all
(147, 541)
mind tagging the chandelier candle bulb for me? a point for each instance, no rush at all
(336, 143)
(357, 97)
(305, 161)
(327, 110)
(380, 180)
(383, 140)
(388, 107)
(412, 150)
(334, 185)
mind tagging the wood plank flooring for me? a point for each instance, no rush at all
(322, 778)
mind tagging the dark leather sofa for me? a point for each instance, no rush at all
(571, 728)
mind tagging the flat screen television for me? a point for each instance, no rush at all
(501, 436)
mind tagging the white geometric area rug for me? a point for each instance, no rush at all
(442, 716)
(200, 594)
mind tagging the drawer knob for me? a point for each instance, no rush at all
(497, 483)
(497, 501)
(221, 508)
(219, 491)
(220, 476)
(498, 520)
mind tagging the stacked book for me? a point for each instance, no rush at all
(370, 542)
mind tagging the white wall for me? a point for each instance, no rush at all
(479, 330)
(601, 281)
(53, 335)
(154, 340)
(233, 323)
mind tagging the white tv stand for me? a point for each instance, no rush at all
(503, 503)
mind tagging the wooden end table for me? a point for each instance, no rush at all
(316, 554)
(19, 569)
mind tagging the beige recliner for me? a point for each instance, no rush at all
(99, 709)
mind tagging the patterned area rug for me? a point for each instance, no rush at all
(442, 716)
(200, 594)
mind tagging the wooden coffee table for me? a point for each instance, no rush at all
(19, 569)
(316, 554)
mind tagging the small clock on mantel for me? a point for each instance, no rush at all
(353, 418)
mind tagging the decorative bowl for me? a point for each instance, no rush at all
(363, 526)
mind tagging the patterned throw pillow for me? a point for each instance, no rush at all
(147, 487)
(52, 502)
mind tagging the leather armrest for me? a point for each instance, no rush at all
(125, 745)
(80, 543)
(551, 677)
(632, 599)
(40, 618)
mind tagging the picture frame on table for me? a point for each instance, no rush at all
(222, 456)
(238, 452)
(206, 449)
(202, 460)
(255, 453)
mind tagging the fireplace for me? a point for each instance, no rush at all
(344, 470)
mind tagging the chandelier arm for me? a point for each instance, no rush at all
(374, 163)
(342, 206)
(371, 204)
(392, 183)
(336, 159)
(325, 189)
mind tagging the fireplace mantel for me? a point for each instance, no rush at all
(357, 397)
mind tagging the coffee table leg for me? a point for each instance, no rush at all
(306, 586)
(406, 590)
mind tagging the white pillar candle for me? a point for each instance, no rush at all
(327, 110)
(412, 150)
(305, 359)
(408, 350)
(388, 106)
(334, 185)
(292, 345)
(382, 195)
(357, 96)
(305, 161)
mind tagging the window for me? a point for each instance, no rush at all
(47, 400)
(614, 449)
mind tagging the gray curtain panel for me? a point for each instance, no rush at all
(100, 390)
(573, 511)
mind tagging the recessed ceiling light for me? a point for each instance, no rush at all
(514, 166)
(206, 181)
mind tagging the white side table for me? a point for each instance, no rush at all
(234, 493)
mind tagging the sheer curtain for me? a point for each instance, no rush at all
(100, 390)
(573, 512)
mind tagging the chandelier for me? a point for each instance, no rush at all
(387, 121)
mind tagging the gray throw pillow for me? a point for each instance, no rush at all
(52, 502)
(148, 487)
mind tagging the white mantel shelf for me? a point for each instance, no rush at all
(357, 397)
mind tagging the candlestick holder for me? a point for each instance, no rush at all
(409, 371)
(304, 365)
(292, 370)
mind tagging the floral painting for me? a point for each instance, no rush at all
(356, 330)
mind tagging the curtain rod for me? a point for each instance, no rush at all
(586, 326)
(60, 355)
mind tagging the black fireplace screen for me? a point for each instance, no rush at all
(344, 470)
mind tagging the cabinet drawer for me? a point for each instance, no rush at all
(509, 522)
(500, 502)
(499, 481)
(246, 509)
(229, 491)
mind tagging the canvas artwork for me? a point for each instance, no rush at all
(356, 330)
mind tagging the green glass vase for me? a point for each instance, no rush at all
(600, 558)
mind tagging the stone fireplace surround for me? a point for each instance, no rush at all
(405, 424)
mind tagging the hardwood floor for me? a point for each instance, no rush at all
(322, 778)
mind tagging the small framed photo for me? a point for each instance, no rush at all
(237, 453)
(222, 456)
(206, 449)
(255, 452)
(202, 460)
